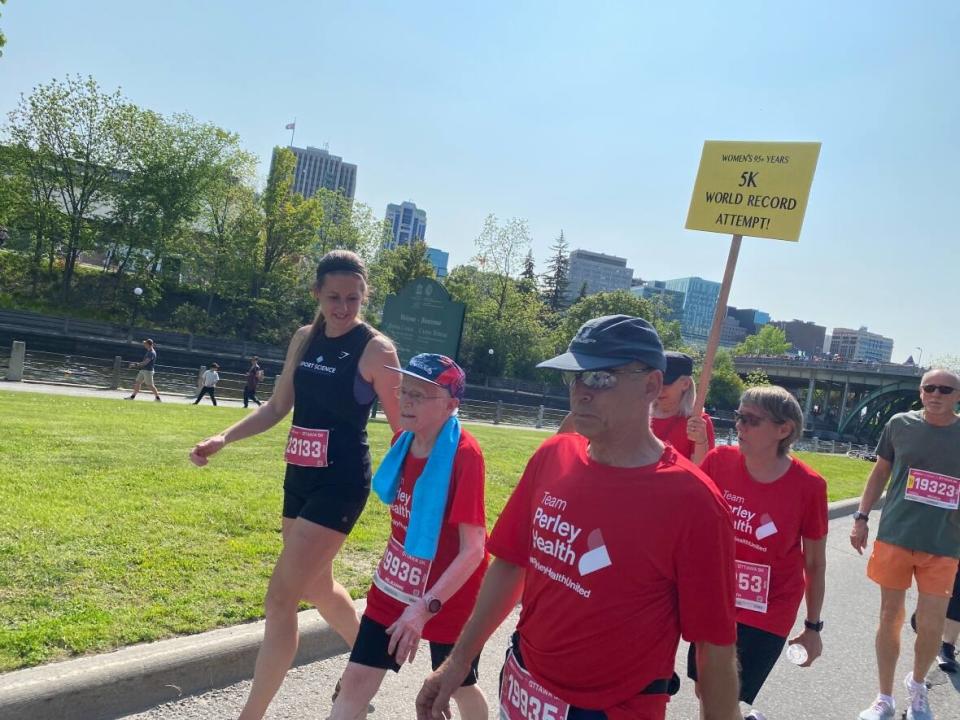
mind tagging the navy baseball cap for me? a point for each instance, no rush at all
(438, 370)
(678, 365)
(611, 341)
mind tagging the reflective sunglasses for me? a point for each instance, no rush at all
(598, 379)
(942, 389)
(752, 420)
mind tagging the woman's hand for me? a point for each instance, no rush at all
(406, 631)
(205, 448)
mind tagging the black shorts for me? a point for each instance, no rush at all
(370, 649)
(953, 609)
(757, 653)
(337, 506)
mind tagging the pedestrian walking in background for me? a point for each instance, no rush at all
(254, 378)
(209, 384)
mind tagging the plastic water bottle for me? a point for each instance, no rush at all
(797, 654)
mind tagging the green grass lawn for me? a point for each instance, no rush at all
(109, 536)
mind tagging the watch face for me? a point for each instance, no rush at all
(434, 605)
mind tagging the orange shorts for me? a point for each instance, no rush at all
(894, 567)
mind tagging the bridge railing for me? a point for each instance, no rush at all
(746, 362)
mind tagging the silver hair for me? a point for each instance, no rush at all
(780, 404)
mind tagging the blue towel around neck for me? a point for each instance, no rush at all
(429, 492)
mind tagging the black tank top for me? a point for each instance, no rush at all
(329, 393)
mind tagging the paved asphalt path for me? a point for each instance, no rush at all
(839, 685)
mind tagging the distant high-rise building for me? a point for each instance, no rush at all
(407, 223)
(699, 303)
(317, 169)
(601, 273)
(732, 333)
(861, 345)
(806, 337)
(750, 319)
(672, 300)
(439, 259)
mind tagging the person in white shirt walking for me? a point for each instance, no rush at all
(209, 381)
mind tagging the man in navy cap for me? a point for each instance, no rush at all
(616, 546)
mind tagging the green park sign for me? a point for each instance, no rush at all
(422, 318)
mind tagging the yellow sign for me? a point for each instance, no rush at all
(753, 188)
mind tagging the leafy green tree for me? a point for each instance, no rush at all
(3, 38)
(615, 303)
(756, 378)
(173, 162)
(771, 340)
(407, 263)
(501, 247)
(291, 223)
(556, 279)
(349, 225)
(83, 132)
(726, 387)
(583, 291)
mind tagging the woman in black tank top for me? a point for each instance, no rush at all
(333, 372)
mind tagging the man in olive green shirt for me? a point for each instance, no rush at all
(919, 534)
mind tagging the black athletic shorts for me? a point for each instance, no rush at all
(757, 653)
(370, 649)
(953, 609)
(335, 506)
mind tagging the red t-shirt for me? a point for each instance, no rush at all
(619, 563)
(769, 519)
(465, 505)
(674, 431)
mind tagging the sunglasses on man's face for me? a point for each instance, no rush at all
(942, 389)
(598, 379)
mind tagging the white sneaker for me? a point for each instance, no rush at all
(880, 710)
(755, 715)
(919, 706)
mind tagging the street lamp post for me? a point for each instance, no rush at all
(138, 293)
(919, 357)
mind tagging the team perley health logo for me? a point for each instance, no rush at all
(558, 538)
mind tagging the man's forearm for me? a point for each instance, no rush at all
(815, 591)
(874, 487)
(499, 593)
(718, 681)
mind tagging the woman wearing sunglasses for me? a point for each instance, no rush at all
(779, 508)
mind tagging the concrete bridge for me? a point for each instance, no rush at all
(841, 399)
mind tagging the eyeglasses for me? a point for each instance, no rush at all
(942, 389)
(598, 379)
(416, 397)
(752, 420)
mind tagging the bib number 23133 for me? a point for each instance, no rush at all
(931, 488)
(307, 447)
(753, 586)
(523, 698)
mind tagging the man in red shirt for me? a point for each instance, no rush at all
(414, 596)
(616, 546)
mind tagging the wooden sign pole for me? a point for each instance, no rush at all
(719, 316)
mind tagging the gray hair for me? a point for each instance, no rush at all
(780, 404)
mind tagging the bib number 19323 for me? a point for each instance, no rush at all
(523, 698)
(307, 447)
(932, 488)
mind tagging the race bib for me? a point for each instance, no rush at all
(401, 576)
(523, 698)
(753, 586)
(307, 447)
(932, 488)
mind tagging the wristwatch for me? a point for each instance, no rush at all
(433, 604)
(815, 626)
(861, 516)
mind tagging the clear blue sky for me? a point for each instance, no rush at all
(589, 119)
